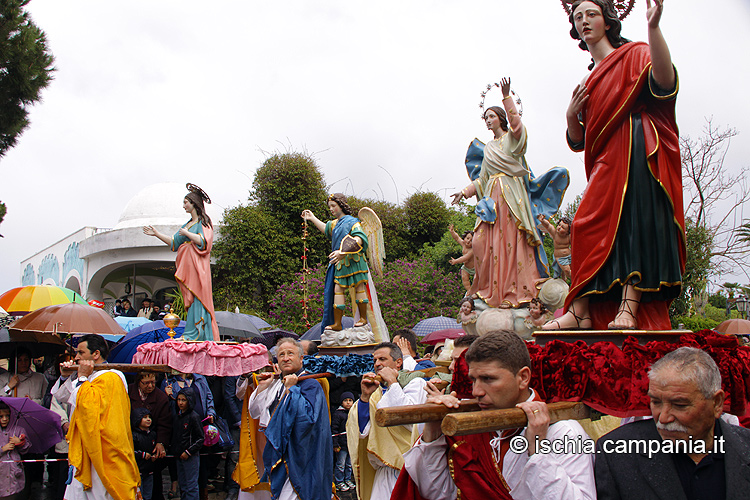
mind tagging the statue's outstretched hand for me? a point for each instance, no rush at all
(457, 197)
(653, 13)
(505, 86)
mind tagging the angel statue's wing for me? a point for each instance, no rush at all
(373, 228)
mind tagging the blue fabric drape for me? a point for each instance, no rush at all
(342, 228)
(299, 441)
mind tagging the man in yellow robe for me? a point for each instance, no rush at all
(249, 468)
(100, 439)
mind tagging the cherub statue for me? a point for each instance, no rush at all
(466, 312)
(351, 238)
(561, 239)
(538, 314)
(467, 258)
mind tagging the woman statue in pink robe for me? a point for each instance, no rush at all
(504, 249)
(193, 244)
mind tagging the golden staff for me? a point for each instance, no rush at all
(305, 272)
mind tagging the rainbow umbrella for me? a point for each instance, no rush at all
(24, 299)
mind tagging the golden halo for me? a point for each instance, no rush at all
(195, 189)
(516, 99)
(623, 7)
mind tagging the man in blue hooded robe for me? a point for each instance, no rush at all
(298, 456)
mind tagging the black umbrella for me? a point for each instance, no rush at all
(39, 344)
(236, 325)
(270, 337)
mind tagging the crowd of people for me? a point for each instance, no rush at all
(320, 437)
(417, 461)
(150, 309)
(150, 408)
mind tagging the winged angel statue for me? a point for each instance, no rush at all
(351, 238)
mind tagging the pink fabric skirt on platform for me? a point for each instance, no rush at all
(205, 358)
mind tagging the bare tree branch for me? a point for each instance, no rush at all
(715, 198)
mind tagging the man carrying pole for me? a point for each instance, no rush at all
(99, 436)
(298, 456)
(376, 452)
(511, 464)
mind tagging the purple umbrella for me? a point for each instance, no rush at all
(440, 335)
(42, 426)
(434, 324)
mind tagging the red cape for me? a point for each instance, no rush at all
(473, 468)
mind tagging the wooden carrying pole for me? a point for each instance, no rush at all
(415, 414)
(126, 368)
(130, 368)
(428, 372)
(460, 424)
(309, 375)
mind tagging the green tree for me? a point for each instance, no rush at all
(427, 218)
(718, 300)
(260, 245)
(288, 183)
(440, 252)
(2, 214)
(697, 268)
(25, 69)
(743, 233)
(253, 256)
(395, 233)
(408, 291)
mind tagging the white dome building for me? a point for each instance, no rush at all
(107, 264)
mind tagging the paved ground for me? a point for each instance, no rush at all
(215, 484)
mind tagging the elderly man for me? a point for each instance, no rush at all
(101, 444)
(486, 465)
(377, 452)
(298, 456)
(686, 451)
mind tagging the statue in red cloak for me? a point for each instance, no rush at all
(628, 236)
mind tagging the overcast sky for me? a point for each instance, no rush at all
(384, 94)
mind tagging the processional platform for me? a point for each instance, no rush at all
(617, 337)
(343, 350)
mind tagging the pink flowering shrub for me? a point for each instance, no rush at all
(411, 291)
(408, 291)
